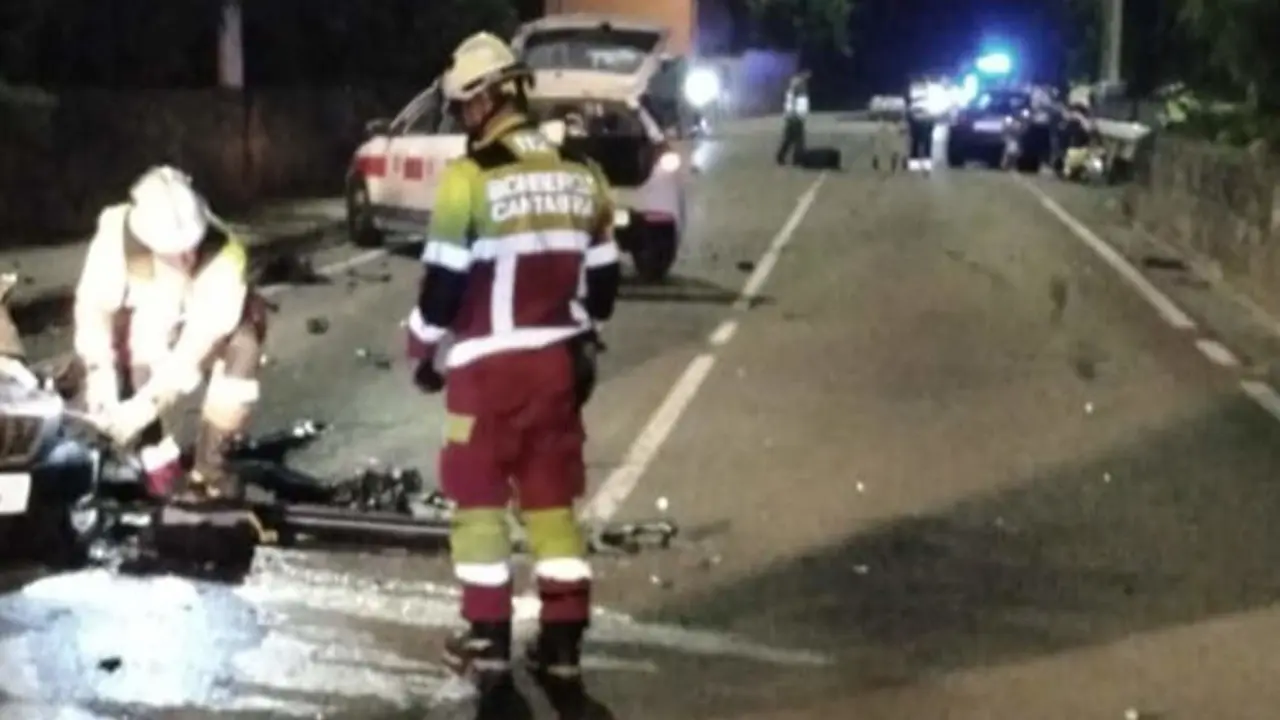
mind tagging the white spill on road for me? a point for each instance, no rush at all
(293, 640)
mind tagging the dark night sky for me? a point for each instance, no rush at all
(893, 39)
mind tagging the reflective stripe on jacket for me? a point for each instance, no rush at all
(177, 317)
(520, 252)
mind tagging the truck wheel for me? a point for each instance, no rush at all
(655, 253)
(360, 227)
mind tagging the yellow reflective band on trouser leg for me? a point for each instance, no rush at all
(481, 546)
(229, 400)
(558, 544)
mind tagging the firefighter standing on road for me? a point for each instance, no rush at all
(162, 304)
(520, 263)
(795, 110)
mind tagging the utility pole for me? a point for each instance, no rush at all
(1112, 40)
(231, 46)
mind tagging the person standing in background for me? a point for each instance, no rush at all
(795, 110)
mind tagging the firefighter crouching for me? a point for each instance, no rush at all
(162, 304)
(520, 264)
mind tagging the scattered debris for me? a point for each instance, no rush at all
(1088, 408)
(317, 325)
(861, 569)
(377, 359)
(710, 561)
(860, 487)
(1059, 293)
(662, 504)
(661, 582)
(1164, 262)
(265, 360)
(746, 265)
(110, 664)
(1106, 477)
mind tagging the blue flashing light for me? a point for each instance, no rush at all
(995, 64)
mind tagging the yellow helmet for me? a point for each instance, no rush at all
(481, 62)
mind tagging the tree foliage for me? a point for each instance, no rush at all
(1238, 38)
(170, 43)
(1220, 47)
(808, 25)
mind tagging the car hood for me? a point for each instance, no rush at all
(585, 55)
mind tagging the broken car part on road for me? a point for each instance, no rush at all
(72, 490)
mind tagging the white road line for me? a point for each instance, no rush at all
(1262, 394)
(1163, 305)
(1217, 353)
(770, 258)
(724, 333)
(620, 483)
(623, 480)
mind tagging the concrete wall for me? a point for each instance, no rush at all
(677, 15)
(1220, 205)
(62, 160)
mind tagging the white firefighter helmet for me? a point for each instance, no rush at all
(166, 214)
(481, 62)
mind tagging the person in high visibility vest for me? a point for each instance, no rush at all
(920, 122)
(520, 267)
(163, 304)
(795, 109)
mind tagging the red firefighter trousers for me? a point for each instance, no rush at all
(513, 432)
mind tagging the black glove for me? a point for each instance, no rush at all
(585, 350)
(427, 378)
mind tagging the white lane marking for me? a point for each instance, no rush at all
(1162, 303)
(623, 480)
(1217, 353)
(332, 268)
(724, 333)
(620, 483)
(767, 261)
(1262, 394)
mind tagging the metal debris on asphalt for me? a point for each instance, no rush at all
(377, 359)
(662, 504)
(661, 582)
(317, 325)
(746, 265)
(110, 664)
(1088, 408)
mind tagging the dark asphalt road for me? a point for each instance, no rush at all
(947, 466)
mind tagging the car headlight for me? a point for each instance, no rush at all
(701, 87)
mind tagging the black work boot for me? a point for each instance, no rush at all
(555, 662)
(482, 656)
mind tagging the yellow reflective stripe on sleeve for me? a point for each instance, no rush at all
(452, 213)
